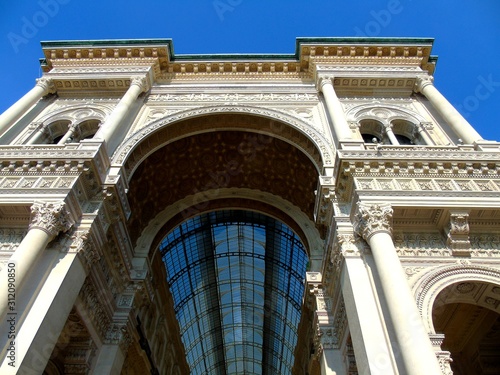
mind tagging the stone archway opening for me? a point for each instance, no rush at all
(468, 314)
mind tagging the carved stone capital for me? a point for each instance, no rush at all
(323, 80)
(458, 233)
(85, 248)
(118, 334)
(372, 219)
(422, 82)
(142, 82)
(51, 217)
(347, 245)
(47, 84)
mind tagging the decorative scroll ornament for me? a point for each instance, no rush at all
(372, 219)
(51, 217)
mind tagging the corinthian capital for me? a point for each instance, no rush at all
(51, 217)
(142, 82)
(323, 80)
(47, 84)
(423, 81)
(372, 219)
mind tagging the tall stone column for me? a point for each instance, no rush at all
(114, 128)
(374, 224)
(47, 220)
(41, 321)
(366, 324)
(43, 87)
(335, 110)
(457, 122)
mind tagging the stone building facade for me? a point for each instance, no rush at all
(326, 212)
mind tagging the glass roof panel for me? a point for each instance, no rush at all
(236, 278)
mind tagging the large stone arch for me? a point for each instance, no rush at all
(236, 198)
(298, 132)
(428, 287)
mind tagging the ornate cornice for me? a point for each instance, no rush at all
(373, 219)
(51, 217)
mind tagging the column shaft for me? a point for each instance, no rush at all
(110, 360)
(391, 135)
(335, 110)
(113, 130)
(12, 114)
(414, 343)
(47, 220)
(38, 333)
(369, 338)
(332, 362)
(23, 259)
(68, 134)
(457, 122)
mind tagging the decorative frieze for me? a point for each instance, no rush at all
(428, 184)
(234, 97)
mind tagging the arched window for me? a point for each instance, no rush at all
(372, 131)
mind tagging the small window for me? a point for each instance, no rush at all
(403, 140)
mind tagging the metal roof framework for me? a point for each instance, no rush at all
(237, 281)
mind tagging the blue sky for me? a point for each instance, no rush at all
(467, 36)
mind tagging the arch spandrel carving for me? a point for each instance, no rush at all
(428, 287)
(383, 111)
(231, 117)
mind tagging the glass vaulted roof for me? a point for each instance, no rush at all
(236, 278)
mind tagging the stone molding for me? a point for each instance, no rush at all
(320, 141)
(373, 219)
(51, 217)
(432, 282)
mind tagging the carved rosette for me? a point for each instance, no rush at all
(51, 217)
(372, 219)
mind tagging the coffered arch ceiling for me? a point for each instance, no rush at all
(235, 156)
